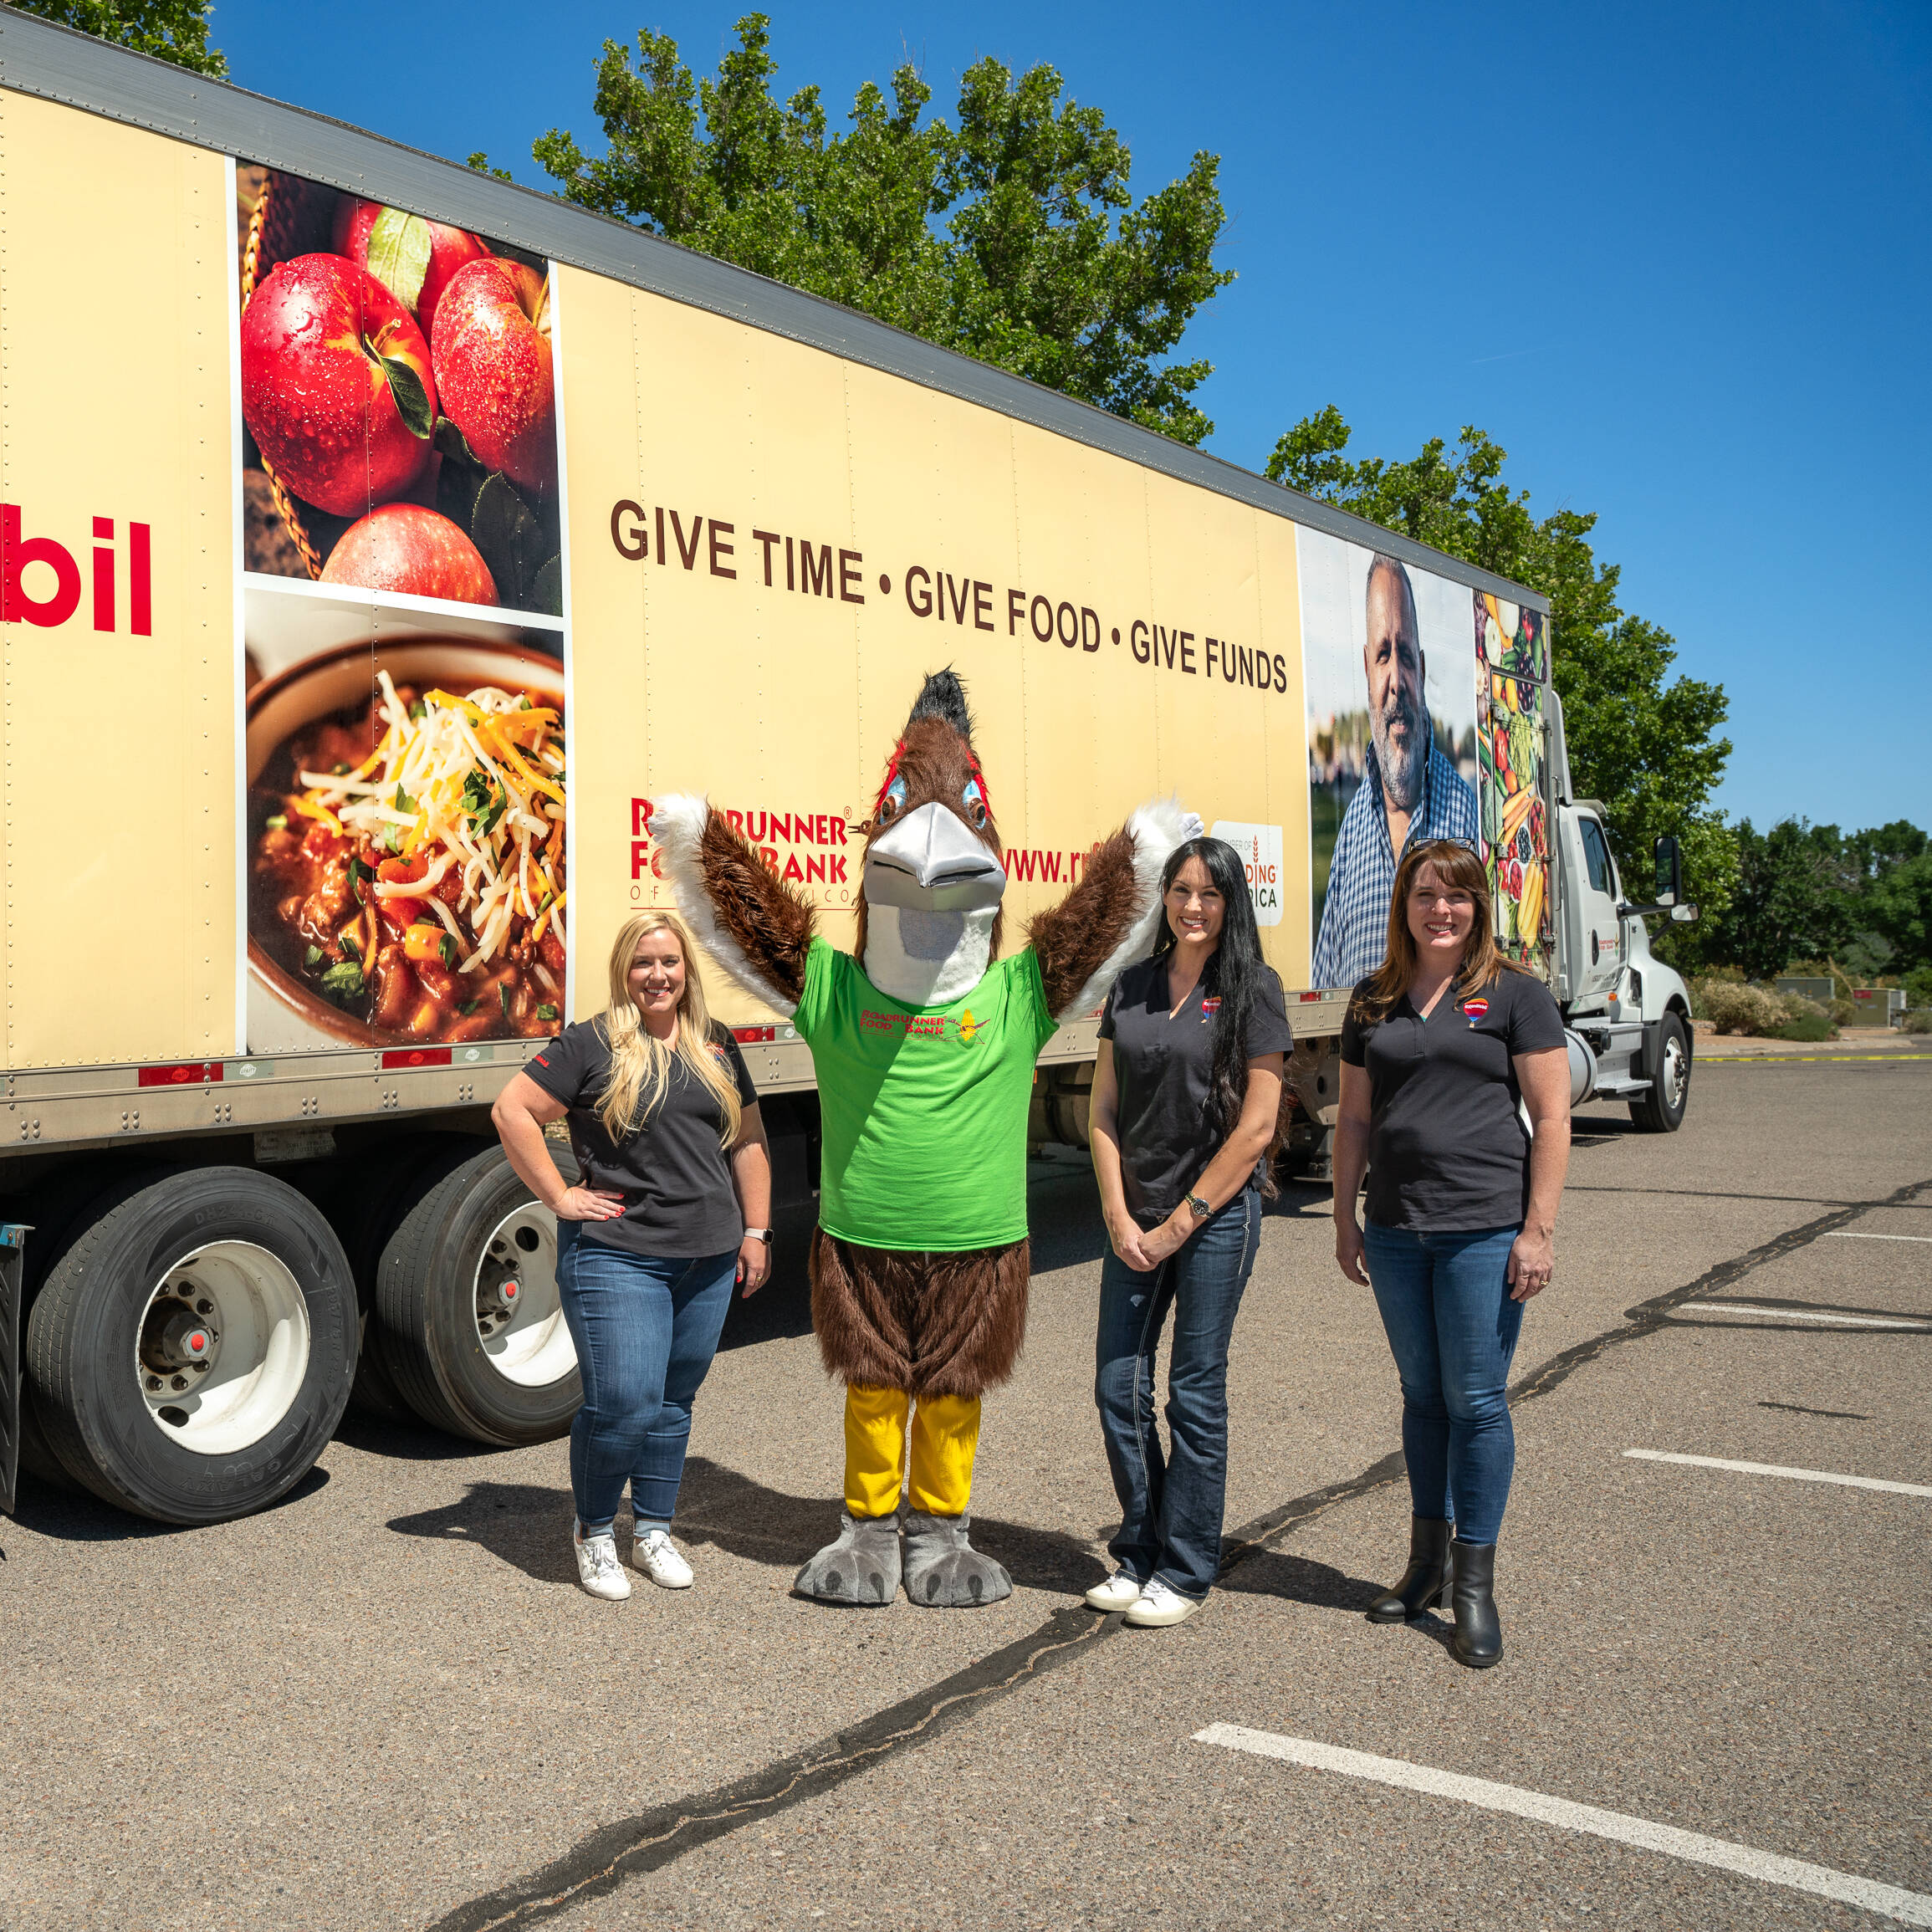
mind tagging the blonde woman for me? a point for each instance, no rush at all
(664, 1123)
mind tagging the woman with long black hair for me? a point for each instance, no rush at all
(1186, 1094)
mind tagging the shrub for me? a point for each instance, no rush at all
(1842, 1013)
(1918, 986)
(1798, 1007)
(1733, 1007)
(1917, 1020)
(1812, 1026)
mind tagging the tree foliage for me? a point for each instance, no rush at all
(1861, 901)
(176, 30)
(1641, 740)
(1009, 234)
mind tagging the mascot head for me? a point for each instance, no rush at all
(929, 897)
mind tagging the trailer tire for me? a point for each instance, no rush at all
(1661, 1110)
(463, 1361)
(364, 1198)
(242, 1258)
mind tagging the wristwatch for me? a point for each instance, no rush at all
(1199, 1209)
(761, 1234)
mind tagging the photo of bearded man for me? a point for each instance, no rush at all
(1409, 788)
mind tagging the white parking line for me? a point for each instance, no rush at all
(1822, 1318)
(1779, 1470)
(1847, 1234)
(1910, 1907)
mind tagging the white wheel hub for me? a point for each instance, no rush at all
(1676, 1076)
(519, 1315)
(222, 1347)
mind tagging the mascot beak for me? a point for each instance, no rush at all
(931, 862)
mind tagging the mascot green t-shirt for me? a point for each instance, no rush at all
(924, 1107)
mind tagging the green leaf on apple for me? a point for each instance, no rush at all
(399, 251)
(510, 537)
(547, 589)
(412, 398)
(449, 439)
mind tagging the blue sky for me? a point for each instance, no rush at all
(1677, 260)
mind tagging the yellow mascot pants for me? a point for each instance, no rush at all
(945, 1436)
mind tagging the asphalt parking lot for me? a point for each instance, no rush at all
(385, 1704)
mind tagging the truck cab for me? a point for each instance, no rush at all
(1627, 1014)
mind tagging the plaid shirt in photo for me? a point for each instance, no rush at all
(1355, 916)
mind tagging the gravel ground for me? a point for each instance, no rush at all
(385, 1704)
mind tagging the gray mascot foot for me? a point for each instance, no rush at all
(862, 1567)
(943, 1571)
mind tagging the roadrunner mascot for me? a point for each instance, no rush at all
(924, 1046)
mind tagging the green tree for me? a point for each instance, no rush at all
(1641, 740)
(1791, 901)
(1010, 236)
(176, 30)
(1862, 900)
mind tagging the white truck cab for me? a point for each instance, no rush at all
(1628, 1016)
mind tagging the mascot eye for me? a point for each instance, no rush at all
(891, 801)
(974, 801)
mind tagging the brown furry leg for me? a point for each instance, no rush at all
(929, 1323)
(859, 1313)
(970, 1320)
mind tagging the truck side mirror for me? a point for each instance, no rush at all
(1670, 871)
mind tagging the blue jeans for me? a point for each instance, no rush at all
(1452, 1327)
(1171, 1505)
(645, 1330)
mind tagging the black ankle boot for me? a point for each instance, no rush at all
(1478, 1641)
(1425, 1583)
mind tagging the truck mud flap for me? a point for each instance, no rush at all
(13, 1253)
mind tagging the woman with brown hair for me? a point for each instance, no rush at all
(664, 1124)
(1456, 1097)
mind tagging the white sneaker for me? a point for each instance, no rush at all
(658, 1557)
(598, 1569)
(1118, 1591)
(1157, 1606)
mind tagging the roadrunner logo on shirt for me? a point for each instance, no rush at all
(921, 1026)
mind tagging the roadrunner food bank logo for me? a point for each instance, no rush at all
(922, 1025)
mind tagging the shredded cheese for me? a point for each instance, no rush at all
(469, 784)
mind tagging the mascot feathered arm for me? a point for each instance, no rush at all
(1109, 919)
(744, 915)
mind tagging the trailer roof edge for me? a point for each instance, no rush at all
(60, 65)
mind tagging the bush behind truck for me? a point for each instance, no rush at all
(408, 537)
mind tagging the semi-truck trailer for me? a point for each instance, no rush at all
(378, 539)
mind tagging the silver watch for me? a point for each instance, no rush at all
(1198, 1207)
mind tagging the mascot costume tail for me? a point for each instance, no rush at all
(924, 1046)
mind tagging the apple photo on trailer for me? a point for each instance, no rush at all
(397, 391)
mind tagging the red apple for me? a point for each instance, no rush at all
(491, 347)
(404, 547)
(428, 253)
(315, 394)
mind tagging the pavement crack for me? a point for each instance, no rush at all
(1648, 1317)
(649, 1840)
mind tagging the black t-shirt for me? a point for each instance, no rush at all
(1164, 1069)
(1448, 1151)
(672, 1172)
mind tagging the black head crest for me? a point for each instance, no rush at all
(943, 696)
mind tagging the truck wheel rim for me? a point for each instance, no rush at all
(222, 1348)
(1674, 1076)
(519, 1315)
